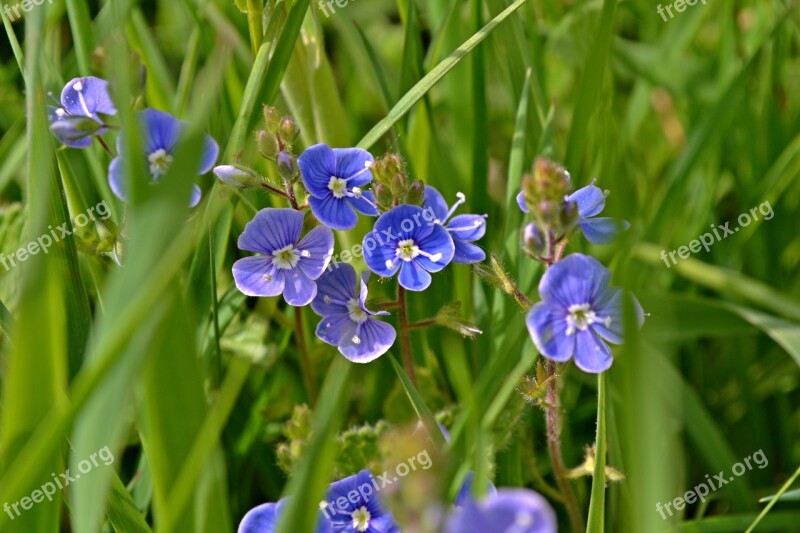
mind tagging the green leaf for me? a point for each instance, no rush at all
(597, 502)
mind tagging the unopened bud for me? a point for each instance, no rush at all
(267, 144)
(383, 196)
(288, 130)
(398, 185)
(534, 241)
(416, 193)
(286, 165)
(237, 176)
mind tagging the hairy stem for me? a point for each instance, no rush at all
(305, 361)
(553, 419)
(405, 341)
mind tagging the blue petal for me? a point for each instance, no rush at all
(257, 276)
(161, 131)
(576, 279)
(378, 249)
(362, 483)
(469, 518)
(590, 200)
(438, 241)
(610, 306)
(468, 228)
(299, 290)
(521, 202)
(370, 341)
(600, 230)
(210, 154)
(436, 202)
(319, 245)
(317, 165)
(196, 195)
(333, 328)
(413, 277)
(271, 229)
(365, 204)
(261, 519)
(95, 97)
(116, 178)
(547, 325)
(338, 284)
(352, 161)
(591, 353)
(465, 492)
(334, 212)
(467, 253)
(405, 222)
(519, 510)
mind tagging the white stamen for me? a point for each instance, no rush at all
(60, 113)
(356, 192)
(461, 200)
(305, 253)
(361, 518)
(356, 340)
(433, 257)
(78, 86)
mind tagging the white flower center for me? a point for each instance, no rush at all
(355, 312)
(338, 187)
(407, 250)
(159, 161)
(361, 518)
(286, 258)
(581, 316)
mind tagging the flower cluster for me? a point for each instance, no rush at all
(415, 235)
(85, 109)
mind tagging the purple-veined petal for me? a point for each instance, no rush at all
(370, 341)
(592, 354)
(468, 228)
(365, 204)
(601, 230)
(116, 178)
(413, 277)
(436, 202)
(521, 202)
(299, 290)
(210, 154)
(610, 306)
(547, 325)
(334, 212)
(577, 279)
(378, 250)
(257, 276)
(317, 165)
(262, 519)
(92, 99)
(271, 229)
(315, 251)
(405, 222)
(352, 161)
(161, 131)
(332, 328)
(467, 253)
(337, 285)
(438, 242)
(590, 199)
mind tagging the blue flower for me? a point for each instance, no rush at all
(407, 239)
(578, 310)
(264, 519)
(464, 229)
(352, 506)
(335, 177)
(508, 511)
(590, 201)
(346, 321)
(465, 492)
(161, 134)
(83, 100)
(287, 264)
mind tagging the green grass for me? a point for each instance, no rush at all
(687, 123)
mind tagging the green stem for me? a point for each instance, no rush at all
(598, 500)
(405, 341)
(422, 324)
(255, 17)
(305, 360)
(553, 420)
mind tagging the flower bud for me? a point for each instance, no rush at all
(267, 144)
(286, 165)
(288, 130)
(272, 119)
(383, 196)
(568, 217)
(237, 176)
(416, 193)
(535, 242)
(398, 185)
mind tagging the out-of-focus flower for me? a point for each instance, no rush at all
(507, 511)
(464, 229)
